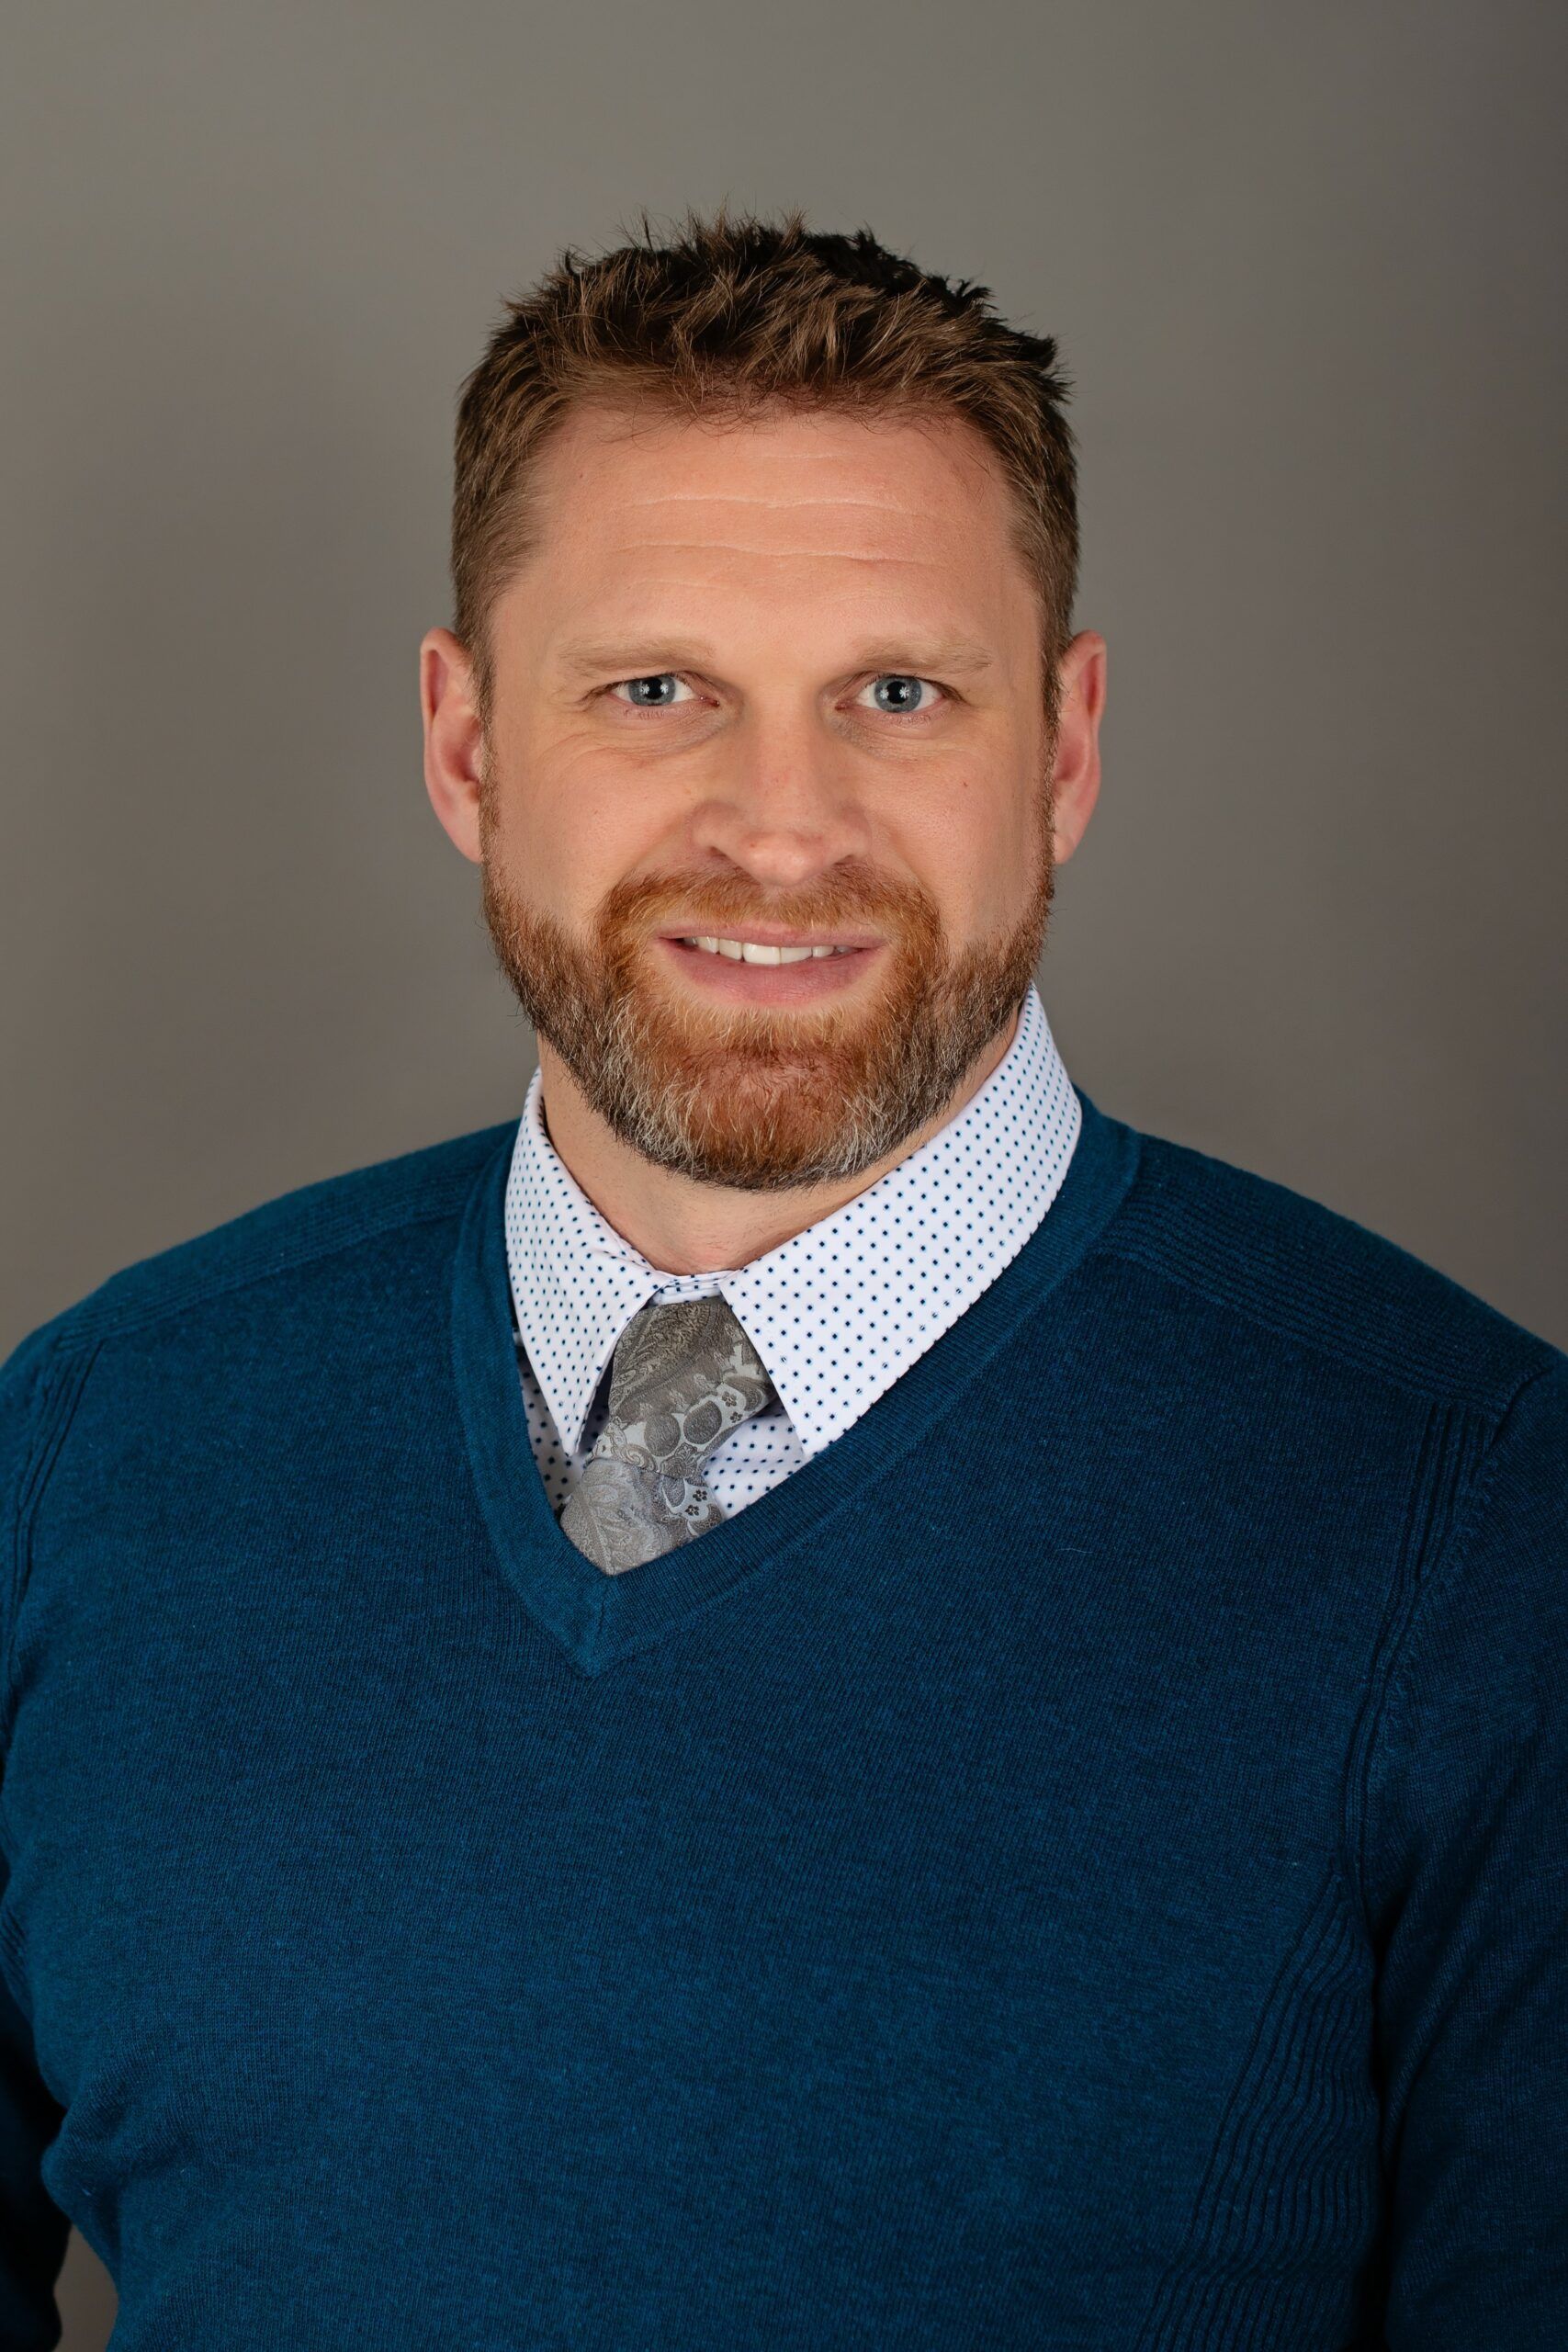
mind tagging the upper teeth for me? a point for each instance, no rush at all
(746, 951)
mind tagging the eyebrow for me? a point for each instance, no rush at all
(647, 658)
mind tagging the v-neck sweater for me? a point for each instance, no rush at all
(1078, 1864)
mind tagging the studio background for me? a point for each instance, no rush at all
(1305, 264)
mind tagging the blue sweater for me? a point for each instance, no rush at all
(1080, 1863)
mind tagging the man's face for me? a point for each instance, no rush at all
(777, 682)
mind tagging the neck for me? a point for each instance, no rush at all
(683, 1227)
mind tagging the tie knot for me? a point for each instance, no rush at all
(675, 1358)
(683, 1376)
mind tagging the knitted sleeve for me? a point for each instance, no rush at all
(1467, 1884)
(33, 2230)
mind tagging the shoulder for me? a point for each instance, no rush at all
(176, 1350)
(1274, 1260)
(296, 1232)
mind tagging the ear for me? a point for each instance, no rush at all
(454, 741)
(1075, 772)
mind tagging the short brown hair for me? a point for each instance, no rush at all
(734, 315)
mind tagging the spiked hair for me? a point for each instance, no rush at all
(729, 318)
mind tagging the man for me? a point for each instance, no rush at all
(815, 1696)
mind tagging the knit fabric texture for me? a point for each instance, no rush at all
(1080, 1862)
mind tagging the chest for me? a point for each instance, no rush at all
(923, 1899)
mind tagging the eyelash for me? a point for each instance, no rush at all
(904, 718)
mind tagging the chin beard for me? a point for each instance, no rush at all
(752, 1099)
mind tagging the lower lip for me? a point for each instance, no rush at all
(809, 981)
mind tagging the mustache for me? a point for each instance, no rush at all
(856, 892)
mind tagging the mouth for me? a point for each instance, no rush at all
(770, 966)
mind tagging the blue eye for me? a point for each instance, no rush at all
(899, 694)
(895, 692)
(659, 680)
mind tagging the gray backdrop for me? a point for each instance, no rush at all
(1305, 261)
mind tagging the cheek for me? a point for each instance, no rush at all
(566, 832)
(975, 854)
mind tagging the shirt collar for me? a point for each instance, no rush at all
(840, 1309)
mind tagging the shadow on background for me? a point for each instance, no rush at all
(86, 2298)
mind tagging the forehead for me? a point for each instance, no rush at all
(797, 498)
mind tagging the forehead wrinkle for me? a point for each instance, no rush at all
(738, 547)
(740, 498)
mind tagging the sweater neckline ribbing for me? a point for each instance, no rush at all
(598, 1618)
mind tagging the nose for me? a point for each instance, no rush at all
(783, 807)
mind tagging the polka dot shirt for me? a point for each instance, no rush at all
(835, 1313)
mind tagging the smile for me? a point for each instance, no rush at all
(752, 950)
(767, 971)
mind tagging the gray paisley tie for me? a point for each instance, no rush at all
(682, 1376)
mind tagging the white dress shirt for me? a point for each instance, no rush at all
(835, 1313)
